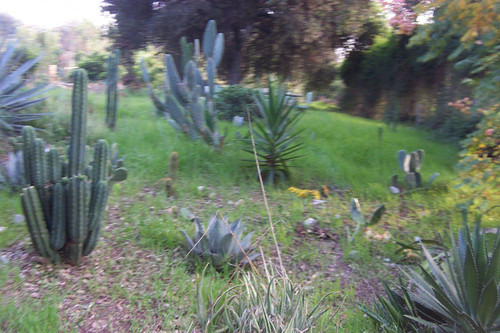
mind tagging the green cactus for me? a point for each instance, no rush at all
(173, 165)
(117, 171)
(188, 107)
(64, 202)
(411, 164)
(170, 187)
(36, 224)
(112, 88)
(76, 153)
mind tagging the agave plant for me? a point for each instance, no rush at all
(220, 244)
(276, 133)
(392, 314)
(462, 295)
(13, 96)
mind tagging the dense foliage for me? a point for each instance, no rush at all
(94, 64)
(233, 101)
(285, 37)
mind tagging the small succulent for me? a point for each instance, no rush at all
(410, 164)
(221, 244)
(11, 172)
(361, 222)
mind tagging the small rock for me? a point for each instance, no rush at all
(237, 121)
(316, 202)
(186, 213)
(2, 229)
(4, 260)
(200, 188)
(18, 218)
(354, 255)
(239, 202)
(394, 190)
(230, 202)
(310, 222)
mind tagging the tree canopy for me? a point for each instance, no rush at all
(284, 37)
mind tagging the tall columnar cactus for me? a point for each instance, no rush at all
(411, 164)
(64, 201)
(189, 103)
(112, 88)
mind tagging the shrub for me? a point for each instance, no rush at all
(95, 65)
(234, 101)
(480, 163)
(153, 59)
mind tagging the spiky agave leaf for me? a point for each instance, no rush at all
(13, 96)
(221, 244)
(462, 294)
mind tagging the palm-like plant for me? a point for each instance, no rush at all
(13, 96)
(276, 133)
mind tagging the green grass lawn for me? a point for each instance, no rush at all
(138, 267)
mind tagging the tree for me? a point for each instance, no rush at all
(284, 37)
(131, 29)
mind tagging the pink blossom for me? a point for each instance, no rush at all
(489, 132)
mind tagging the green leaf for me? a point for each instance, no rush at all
(377, 215)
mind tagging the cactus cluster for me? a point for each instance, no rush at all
(64, 198)
(411, 164)
(112, 88)
(189, 104)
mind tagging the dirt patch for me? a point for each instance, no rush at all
(95, 296)
(333, 266)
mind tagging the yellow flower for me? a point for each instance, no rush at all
(316, 195)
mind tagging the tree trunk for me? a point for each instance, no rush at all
(235, 68)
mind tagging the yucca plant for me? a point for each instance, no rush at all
(461, 295)
(275, 135)
(221, 244)
(14, 98)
